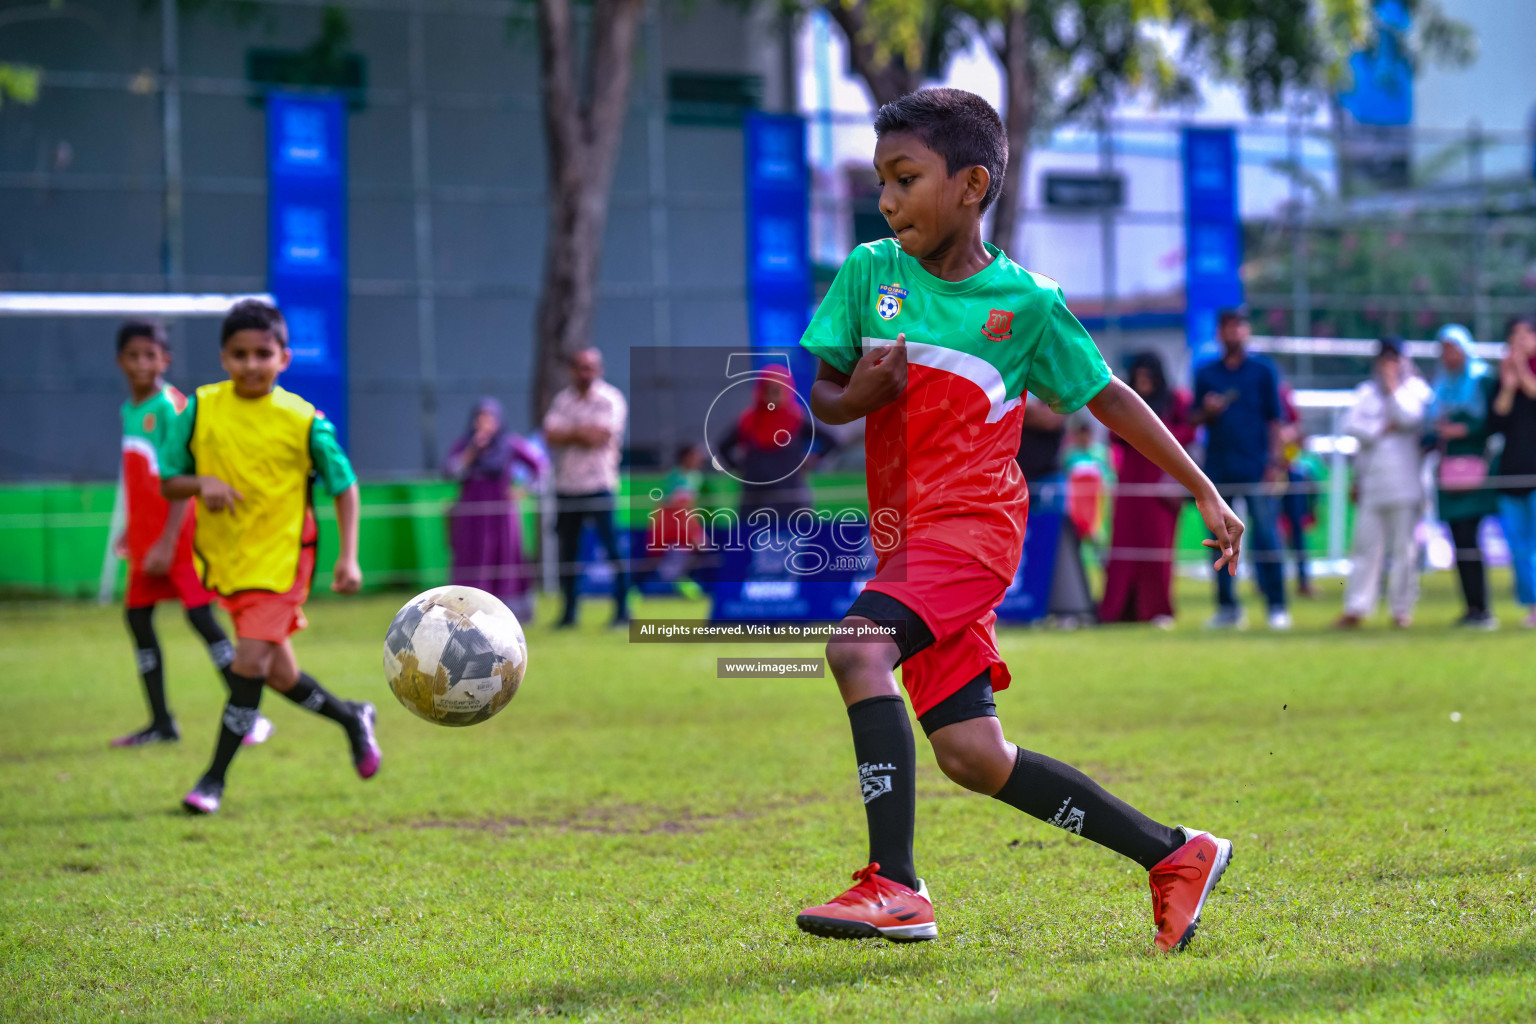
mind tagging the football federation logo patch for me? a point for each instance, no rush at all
(889, 303)
(999, 326)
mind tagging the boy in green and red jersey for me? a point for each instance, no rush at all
(157, 535)
(936, 337)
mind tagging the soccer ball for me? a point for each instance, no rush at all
(455, 655)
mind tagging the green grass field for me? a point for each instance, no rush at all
(631, 838)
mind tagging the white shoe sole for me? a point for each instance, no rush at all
(910, 932)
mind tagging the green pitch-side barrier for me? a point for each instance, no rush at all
(53, 537)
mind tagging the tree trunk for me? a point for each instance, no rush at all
(1019, 122)
(887, 79)
(581, 142)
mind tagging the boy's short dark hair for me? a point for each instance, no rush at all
(1389, 345)
(958, 125)
(254, 315)
(131, 329)
(1229, 314)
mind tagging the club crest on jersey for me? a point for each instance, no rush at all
(149, 423)
(888, 305)
(999, 326)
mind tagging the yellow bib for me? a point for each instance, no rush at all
(260, 447)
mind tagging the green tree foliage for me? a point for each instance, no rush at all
(19, 83)
(1068, 59)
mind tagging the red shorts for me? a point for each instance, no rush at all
(954, 595)
(180, 584)
(264, 615)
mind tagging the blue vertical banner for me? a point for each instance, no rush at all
(779, 237)
(307, 243)
(1213, 239)
(1381, 78)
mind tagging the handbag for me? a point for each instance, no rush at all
(1463, 472)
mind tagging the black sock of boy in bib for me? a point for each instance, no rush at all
(309, 694)
(239, 716)
(882, 741)
(220, 650)
(1060, 795)
(151, 668)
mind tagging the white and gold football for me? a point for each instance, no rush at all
(455, 655)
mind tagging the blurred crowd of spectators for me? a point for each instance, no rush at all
(1457, 446)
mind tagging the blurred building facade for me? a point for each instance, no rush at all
(446, 209)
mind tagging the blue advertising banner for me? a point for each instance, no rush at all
(778, 187)
(812, 576)
(1381, 79)
(1028, 597)
(307, 243)
(1213, 240)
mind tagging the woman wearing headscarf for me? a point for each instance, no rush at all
(484, 530)
(1459, 429)
(772, 446)
(1514, 416)
(1138, 581)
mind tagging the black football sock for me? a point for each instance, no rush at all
(1060, 795)
(220, 650)
(309, 694)
(239, 716)
(151, 668)
(882, 741)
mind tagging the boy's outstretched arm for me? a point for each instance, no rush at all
(878, 379)
(1121, 409)
(348, 576)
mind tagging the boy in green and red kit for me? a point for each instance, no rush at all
(251, 452)
(157, 534)
(935, 337)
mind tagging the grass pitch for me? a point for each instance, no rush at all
(631, 838)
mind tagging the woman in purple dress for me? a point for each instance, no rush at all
(484, 530)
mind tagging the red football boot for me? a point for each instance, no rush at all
(875, 908)
(1180, 884)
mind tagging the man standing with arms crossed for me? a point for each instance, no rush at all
(583, 429)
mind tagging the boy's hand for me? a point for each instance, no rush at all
(1223, 522)
(120, 545)
(878, 379)
(216, 495)
(157, 560)
(347, 577)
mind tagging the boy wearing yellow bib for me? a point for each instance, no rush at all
(250, 452)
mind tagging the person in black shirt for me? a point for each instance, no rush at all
(1513, 415)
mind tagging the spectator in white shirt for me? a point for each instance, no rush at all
(1388, 420)
(584, 428)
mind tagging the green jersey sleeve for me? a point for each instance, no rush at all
(331, 463)
(1067, 371)
(834, 335)
(174, 444)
